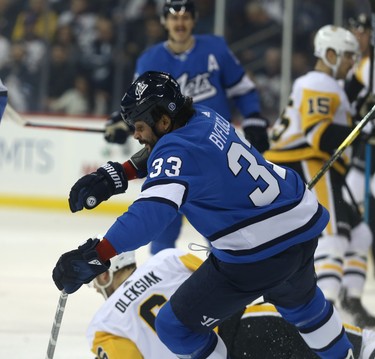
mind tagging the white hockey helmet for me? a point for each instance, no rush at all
(120, 261)
(336, 38)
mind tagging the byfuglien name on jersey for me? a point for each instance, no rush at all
(139, 287)
(220, 133)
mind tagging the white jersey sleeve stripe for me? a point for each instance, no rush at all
(259, 233)
(241, 88)
(173, 192)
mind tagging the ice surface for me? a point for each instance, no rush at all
(30, 244)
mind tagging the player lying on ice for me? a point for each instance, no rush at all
(124, 326)
(261, 220)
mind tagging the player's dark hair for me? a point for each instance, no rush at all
(180, 118)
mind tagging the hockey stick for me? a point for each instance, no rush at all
(17, 118)
(344, 145)
(56, 325)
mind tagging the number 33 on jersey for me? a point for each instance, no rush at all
(207, 168)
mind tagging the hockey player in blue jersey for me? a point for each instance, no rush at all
(3, 98)
(261, 220)
(208, 72)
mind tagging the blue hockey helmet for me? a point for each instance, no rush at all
(178, 7)
(151, 90)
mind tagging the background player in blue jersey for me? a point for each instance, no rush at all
(269, 224)
(3, 98)
(208, 72)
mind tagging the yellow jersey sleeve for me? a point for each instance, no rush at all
(191, 261)
(108, 346)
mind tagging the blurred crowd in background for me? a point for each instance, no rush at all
(77, 57)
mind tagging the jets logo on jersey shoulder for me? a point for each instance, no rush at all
(199, 87)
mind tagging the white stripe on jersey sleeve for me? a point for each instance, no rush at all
(173, 192)
(241, 88)
(2, 86)
(265, 231)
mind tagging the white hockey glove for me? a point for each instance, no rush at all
(116, 130)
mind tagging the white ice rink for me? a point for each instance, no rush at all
(31, 242)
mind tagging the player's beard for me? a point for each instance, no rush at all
(150, 144)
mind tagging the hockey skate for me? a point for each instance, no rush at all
(353, 308)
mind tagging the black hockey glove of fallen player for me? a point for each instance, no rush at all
(78, 266)
(94, 188)
(255, 130)
(116, 130)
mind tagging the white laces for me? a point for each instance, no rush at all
(196, 247)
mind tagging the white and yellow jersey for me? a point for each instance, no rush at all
(362, 72)
(123, 328)
(317, 101)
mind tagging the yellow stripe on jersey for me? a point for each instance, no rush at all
(110, 346)
(191, 261)
(356, 263)
(293, 155)
(352, 329)
(329, 267)
(300, 154)
(282, 144)
(319, 131)
(321, 188)
(261, 308)
(359, 70)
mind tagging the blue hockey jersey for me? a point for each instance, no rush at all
(248, 208)
(209, 73)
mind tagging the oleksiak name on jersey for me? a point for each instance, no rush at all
(136, 290)
(209, 73)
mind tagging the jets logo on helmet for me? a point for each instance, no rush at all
(140, 88)
(150, 91)
(178, 7)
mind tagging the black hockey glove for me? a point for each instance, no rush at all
(94, 188)
(365, 105)
(78, 266)
(116, 130)
(139, 162)
(255, 129)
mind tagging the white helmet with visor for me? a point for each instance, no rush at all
(120, 261)
(338, 39)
